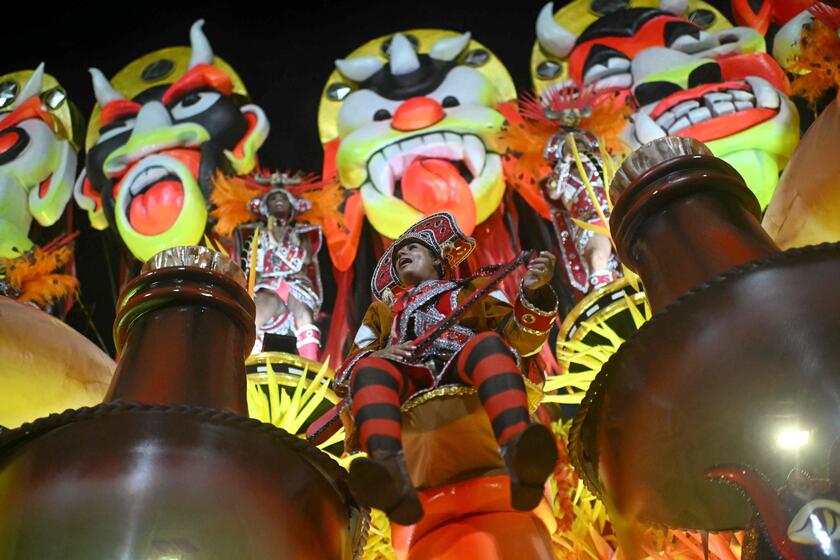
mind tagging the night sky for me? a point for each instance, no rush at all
(284, 56)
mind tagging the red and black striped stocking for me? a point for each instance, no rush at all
(487, 364)
(377, 390)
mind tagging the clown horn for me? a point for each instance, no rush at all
(450, 47)
(359, 68)
(403, 58)
(102, 88)
(33, 85)
(201, 52)
(553, 38)
(676, 7)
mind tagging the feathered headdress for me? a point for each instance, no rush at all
(604, 114)
(233, 196)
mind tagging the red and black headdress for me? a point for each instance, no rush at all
(440, 233)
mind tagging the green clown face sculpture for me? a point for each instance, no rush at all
(686, 72)
(410, 121)
(37, 155)
(162, 128)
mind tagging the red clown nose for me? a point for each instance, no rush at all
(417, 113)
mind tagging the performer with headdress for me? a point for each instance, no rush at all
(287, 292)
(491, 346)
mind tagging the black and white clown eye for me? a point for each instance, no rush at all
(115, 129)
(382, 115)
(450, 101)
(193, 103)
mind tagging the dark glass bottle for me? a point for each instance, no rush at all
(743, 348)
(169, 465)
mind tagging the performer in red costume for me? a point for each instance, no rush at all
(288, 289)
(491, 347)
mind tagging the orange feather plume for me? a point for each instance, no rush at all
(524, 141)
(33, 275)
(818, 63)
(231, 196)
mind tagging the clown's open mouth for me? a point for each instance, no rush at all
(709, 112)
(154, 195)
(406, 169)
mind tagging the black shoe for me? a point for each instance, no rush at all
(530, 457)
(382, 482)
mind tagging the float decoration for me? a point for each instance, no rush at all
(672, 395)
(187, 401)
(34, 276)
(685, 71)
(408, 123)
(40, 133)
(162, 128)
(46, 366)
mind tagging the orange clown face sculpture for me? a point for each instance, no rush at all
(39, 135)
(687, 73)
(410, 123)
(162, 128)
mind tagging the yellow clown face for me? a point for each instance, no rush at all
(162, 128)
(685, 71)
(39, 136)
(415, 121)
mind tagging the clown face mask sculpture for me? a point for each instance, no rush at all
(715, 84)
(410, 121)
(39, 134)
(163, 127)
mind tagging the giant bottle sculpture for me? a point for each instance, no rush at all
(739, 360)
(170, 465)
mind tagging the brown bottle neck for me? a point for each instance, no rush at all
(684, 222)
(183, 333)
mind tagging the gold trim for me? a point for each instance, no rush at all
(290, 359)
(533, 391)
(528, 329)
(532, 307)
(493, 70)
(601, 316)
(576, 16)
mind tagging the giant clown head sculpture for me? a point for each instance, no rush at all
(162, 128)
(40, 131)
(687, 72)
(410, 122)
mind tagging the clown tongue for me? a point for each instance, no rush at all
(155, 210)
(436, 185)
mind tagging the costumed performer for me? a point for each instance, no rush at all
(287, 292)
(491, 347)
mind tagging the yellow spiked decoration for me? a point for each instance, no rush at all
(289, 391)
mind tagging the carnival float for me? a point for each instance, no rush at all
(591, 319)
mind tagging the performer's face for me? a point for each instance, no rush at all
(278, 206)
(416, 263)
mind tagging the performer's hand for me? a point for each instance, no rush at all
(400, 351)
(540, 271)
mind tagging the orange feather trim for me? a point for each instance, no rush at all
(524, 141)
(33, 275)
(818, 63)
(231, 196)
(326, 198)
